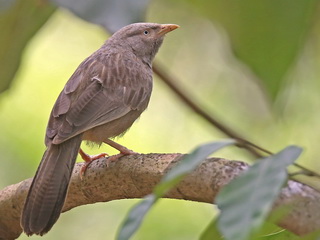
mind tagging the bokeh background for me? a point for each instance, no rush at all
(254, 66)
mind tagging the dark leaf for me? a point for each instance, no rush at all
(19, 21)
(266, 35)
(246, 201)
(111, 14)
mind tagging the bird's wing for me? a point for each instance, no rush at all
(102, 89)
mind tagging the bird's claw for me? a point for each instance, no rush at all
(88, 160)
(119, 155)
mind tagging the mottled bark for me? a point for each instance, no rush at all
(135, 176)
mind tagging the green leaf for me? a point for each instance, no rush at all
(280, 235)
(246, 201)
(266, 35)
(270, 231)
(312, 236)
(135, 217)
(19, 21)
(283, 234)
(111, 14)
(211, 232)
(186, 165)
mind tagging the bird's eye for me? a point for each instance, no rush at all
(146, 32)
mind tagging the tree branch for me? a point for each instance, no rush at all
(135, 176)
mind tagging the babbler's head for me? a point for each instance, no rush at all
(144, 39)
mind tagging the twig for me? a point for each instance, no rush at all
(242, 142)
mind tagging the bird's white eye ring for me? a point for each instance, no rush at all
(146, 32)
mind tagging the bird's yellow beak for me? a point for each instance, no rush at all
(165, 28)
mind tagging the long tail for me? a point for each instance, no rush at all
(49, 187)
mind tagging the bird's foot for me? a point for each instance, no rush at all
(119, 155)
(88, 159)
(122, 149)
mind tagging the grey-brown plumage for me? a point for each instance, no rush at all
(102, 99)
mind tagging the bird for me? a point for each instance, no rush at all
(101, 100)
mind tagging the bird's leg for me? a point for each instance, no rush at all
(88, 159)
(122, 149)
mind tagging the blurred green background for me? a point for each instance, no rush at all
(253, 65)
